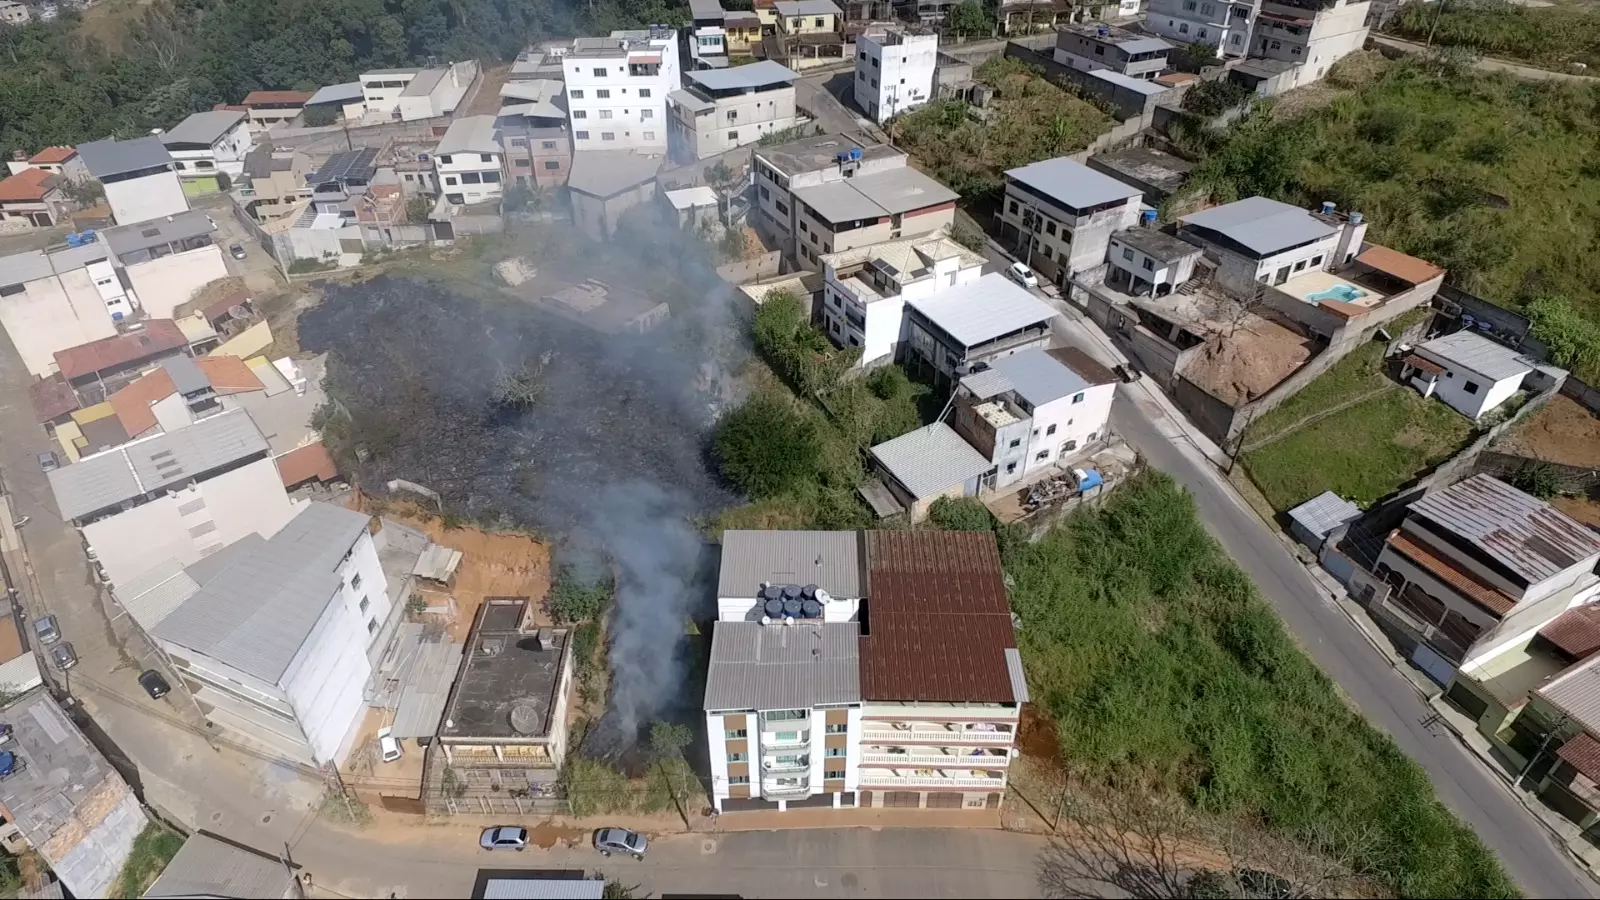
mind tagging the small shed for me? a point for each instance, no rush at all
(1313, 521)
(437, 563)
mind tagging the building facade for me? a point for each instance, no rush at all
(207, 143)
(469, 161)
(894, 71)
(1061, 214)
(1313, 38)
(1094, 48)
(138, 176)
(617, 89)
(865, 290)
(1225, 24)
(952, 333)
(718, 110)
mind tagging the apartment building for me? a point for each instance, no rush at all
(861, 669)
(269, 108)
(1312, 35)
(537, 152)
(140, 180)
(865, 290)
(720, 109)
(836, 192)
(1060, 215)
(1147, 262)
(705, 36)
(1224, 24)
(954, 332)
(617, 89)
(274, 182)
(1094, 48)
(468, 161)
(208, 143)
(1260, 240)
(894, 71)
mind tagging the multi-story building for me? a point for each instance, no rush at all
(1314, 34)
(705, 36)
(952, 333)
(894, 71)
(138, 177)
(537, 152)
(274, 183)
(269, 108)
(1224, 24)
(861, 669)
(720, 109)
(1259, 240)
(617, 89)
(1060, 215)
(207, 143)
(1149, 262)
(1093, 48)
(865, 290)
(468, 161)
(835, 192)
(741, 32)
(1027, 16)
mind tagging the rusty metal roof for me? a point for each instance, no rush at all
(1527, 535)
(937, 622)
(1583, 753)
(1575, 632)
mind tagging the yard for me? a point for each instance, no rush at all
(152, 850)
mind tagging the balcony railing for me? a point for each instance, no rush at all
(933, 760)
(933, 735)
(871, 778)
(772, 790)
(770, 739)
(803, 764)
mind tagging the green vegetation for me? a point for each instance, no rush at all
(574, 598)
(1536, 478)
(1029, 119)
(152, 850)
(970, 18)
(1210, 98)
(1486, 175)
(961, 514)
(1554, 37)
(10, 875)
(1360, 372)
(768, 447)
(1573, 341)
(1160, 664)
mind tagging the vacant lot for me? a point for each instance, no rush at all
(1562, 431)
(1357, 374)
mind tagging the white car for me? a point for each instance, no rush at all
(388, 745)
(1022, 275)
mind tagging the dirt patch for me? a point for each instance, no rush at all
(1581, 508)
(546, 835)
(1562, 431)
(487, 101)
(1037, 737)
(1250, 361)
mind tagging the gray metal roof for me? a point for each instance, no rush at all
(148, 465)
(471, 134)
(424, 83)
(192, 223)
(1157, 245)
(689, 101)
(1129, 83)
(986, 384)
(1476, 353)
(705, 9)
(1143, 45)
(983, 310)
(930, 460)
(186, 376)
(754, 75)
(112, 157)
(831, 560)
(349, 92)
(838, 201)
(203, 127)
(426, 688)
(21, 268)
(255, 614)
(1526, 534)
(1071, 184)
(606, 173)
(1323, 513)
(151, 596)
(543, 888)
(1038, 377)
(1577, 692)
(790, 8)
(1262, 225)
(902, 190)
(1019, 681)
(207, 866)
(762, 667)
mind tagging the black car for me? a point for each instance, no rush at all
(154, 684)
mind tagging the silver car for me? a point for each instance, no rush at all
(504, 837)
(46, 630)
(620, 840)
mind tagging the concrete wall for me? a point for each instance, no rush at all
(598, 218)
(166, 283)
(150, 197)
(1124, 102)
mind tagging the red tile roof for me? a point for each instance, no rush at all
(265, 98)
(1575, 632)
(220, 309)
(303, 464)
(1402, 266)
(132, 403)
(157, 336)
(228, 374)
(1464, 582)
(1583, 753)
(29, 184)
(52, 398)
(937, 621)
(50, 156)
(1423, 365)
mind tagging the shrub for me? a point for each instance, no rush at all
(1536, 478)
(576, 599)
(961, 514)
(767, 447)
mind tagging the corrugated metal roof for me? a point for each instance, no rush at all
(1071, 184)
(764, 667)
(1527, 535)
(1476, 353)
(1129, 83)
(1464, 581)
(111, 157)
(1038, 377)
(689, 101)
(158, 336)
(426, 689)
(838, 201)
(790, 8)
(207, 866)
(437, 563)
(831, 560)
(1323, 513)
(151, 596)
(606, 173)
(755, 75)
(1262, 225)
(202, 127)
(186, 376)
(1576, 692)
(1582, 751)
(1019, 679)
(349, 92)
(986, 384)
(144, 466)
(469, 134)
(543, 888)
(902, 190)
(21, 268)
(158, 232)
(982, 310)
(256, 613)
(1576, 632)
(929, 460)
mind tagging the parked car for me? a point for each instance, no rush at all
(237, 251)
(154, 684)
(46, 630)
(620, 840)
(1022, 275)
(64, 655)
(48, 461)
(504, 837)
(388, 744)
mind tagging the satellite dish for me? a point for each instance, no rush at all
(525, 719)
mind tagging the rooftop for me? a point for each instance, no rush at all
(606, 173)
(349, 92)
(766, 667)
(831, 560)
(1121, 38)
(470, 134)
(1038, 376)
(1129, 83)
(1072, 184)
(158, 336)
(29, 185)
(983, 310)
(938, 624)
(192, 223)
(1158, 245)
(1527, 535)
(902, 190)
(1476, 353)
(1407, 268)
(210, 866)
(705, 9)
(302, 464)
(748, 77)
(346, 166)
(52, 398)
(1575, 632)
(424, 83)
(507, 689)
(1323, 513)
(908, 259)
(930, 460)
(538, 97)
(144, 466)
(255, 610)
(689, 198)
(1261, 225)
(50, 156)
(1576, 692)
(1147, 165)
(113, 157)
(276, 98)
(792, 8)
(818, 152)
(202, 128)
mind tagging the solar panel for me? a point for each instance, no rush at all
(358, 164)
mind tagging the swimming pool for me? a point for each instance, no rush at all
(1342, 292)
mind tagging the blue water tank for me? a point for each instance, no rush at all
(74, 239)
(1148, 216)
(855, 153)
(89, 235)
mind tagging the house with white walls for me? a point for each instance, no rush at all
(1311, 36)
(1260, 240)
(1469, 372)
(1095, 47)
(52, 301)
(894, 71)
(865, 290)
(1060, 215)
(468, 161)
(207, 143)
(1224, 24)
(139, 178)
(617, 89)
(951, 334)
(719, 109)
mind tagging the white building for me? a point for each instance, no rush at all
(865, 289)
(1258, 240)
(894, 71)
(1469, 372)
(209, 142)
(617, 89)
(720, 109)
(951, 333)
(803, 709)
(1144, 261)
(273, 635)
(166, 261)
(467, 161)
(138, 176)
(1313, 39)
(705, 35)
(51, 301)
(1225, 24)
(1060, 215)
(1099, 48)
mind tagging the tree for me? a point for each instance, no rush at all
(519, 197)
(722, 178)
(319, 116)
(767, 447)
(667, 740)
(616, 890)
(417, 209)
(970, 18)
(576, 598)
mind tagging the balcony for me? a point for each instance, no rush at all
(971, 757)
(775, 766)
(931, 779)
(792, 738)
(934, 736)
(773, 790)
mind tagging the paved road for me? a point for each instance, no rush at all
(828, 97)
(1490, 65)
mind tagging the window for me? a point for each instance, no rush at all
(1050, 228)
(1472, 387)
(605, 113)
(874, 82)
(835, 326)
(736, 734)
(733, 135)
(783, 208)
(1078, 397)
(861, 76)
(738, 757)
(874, 63)
(548, 145)
(355, 582)
(552, 165)
(952, 277)
(608, 135)
(450, 179)
(364, 604)
(372, 625)
(1202, 34)
(485, 157)
(1013, 207)
(1042, 454)
(204, 164)
(838, 729)
(786, 735)
(1184, 28)
(491, 178)
(647, 113)
(445, 159)
(1069, 446)
(1236, 38)
(410, 177)
(471, 178)
(1126, 253)
(580, 114)
(1099, 50)
(1011, 468)
(455, 198)
(1276, 44)
(1015, 443)
(833, 774)
(765, 194)
(1050, 430)
(817, 22)
(1316, 260)
(1206, 9)
(603, 94)
(1149, 265)
(575, 94)
(1300, 265)
(1189, 4)
(649, 135)
(1294, 51)
(599, 72)
(524, 164)
(581, 135)
(644, 92)
(738, 779)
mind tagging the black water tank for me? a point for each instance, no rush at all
(811, 608)
(773, 609)
(791, 592)
(791, 608)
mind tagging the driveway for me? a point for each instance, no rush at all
(829, 97)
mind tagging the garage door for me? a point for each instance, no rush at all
(813, 801)
(731, 804)
(944, 801)
(902, 799)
